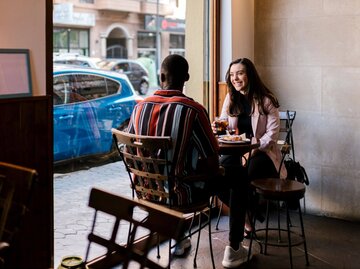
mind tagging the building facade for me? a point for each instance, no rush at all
(118, 28)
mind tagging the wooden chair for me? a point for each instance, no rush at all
(148, 166)
(16, 185)
(286, 142)
(287, 139)
(136, 225)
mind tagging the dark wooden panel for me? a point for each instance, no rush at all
(221, 94)
(26, 139)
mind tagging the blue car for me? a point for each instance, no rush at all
(87, 104)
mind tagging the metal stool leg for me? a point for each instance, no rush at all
(303, 235)
(279, 226)
(267, 226)
(288, 232)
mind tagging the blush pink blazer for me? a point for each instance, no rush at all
(265, 129)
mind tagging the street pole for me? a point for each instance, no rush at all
(158, 43)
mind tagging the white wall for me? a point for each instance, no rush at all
(236, 32)
(22, 25)
(308, 52)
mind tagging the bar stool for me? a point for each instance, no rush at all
(286, 191)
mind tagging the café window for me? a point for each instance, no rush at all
(146, 44)
(70, 40)
(177, 44)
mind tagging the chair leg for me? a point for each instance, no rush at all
(303, 235)
(169, 254)
(252, 235)
(191, 224)
(210, 239)
(219, 216)
(158, 247)
(198, 241)
(288, 232)
(267, 226)
(278, 215)
(210, 243)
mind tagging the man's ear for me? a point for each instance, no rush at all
(187, 77)
(162, 77)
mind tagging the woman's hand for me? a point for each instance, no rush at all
(214, 127)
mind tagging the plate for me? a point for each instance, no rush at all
(232, 139)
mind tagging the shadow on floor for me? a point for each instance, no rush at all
(331, 244)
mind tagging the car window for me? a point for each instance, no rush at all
(65, 91)
(60, 61)
(73, 88)
(136, 67)
(124, 66)
(78, 62)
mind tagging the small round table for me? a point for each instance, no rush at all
(237, 148)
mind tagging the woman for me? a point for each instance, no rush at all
(251, 108)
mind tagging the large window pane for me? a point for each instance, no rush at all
(71, 40)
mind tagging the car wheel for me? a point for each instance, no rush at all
(144, 87)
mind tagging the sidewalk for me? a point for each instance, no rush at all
(72, 216)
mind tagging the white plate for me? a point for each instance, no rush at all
(223, 139)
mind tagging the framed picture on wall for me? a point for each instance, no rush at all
(15, 73)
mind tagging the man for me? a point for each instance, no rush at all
(171, 113)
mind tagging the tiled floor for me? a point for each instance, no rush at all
(331, 243)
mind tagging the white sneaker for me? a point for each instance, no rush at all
(182, 246)
(234, 258)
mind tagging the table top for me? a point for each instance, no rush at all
(237, 148)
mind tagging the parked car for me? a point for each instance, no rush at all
(136, 72)
(87, 104)
(77, 59)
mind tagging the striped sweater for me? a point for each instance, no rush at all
(171, 113)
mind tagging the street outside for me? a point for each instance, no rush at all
(72, 216)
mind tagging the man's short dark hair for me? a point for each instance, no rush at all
(176, 67)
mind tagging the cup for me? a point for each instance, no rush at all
(230, 131)
(220, 126)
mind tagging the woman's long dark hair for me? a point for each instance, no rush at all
(256, 90)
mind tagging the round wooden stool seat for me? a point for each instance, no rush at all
(279, 189)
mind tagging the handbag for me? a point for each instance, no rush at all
(296, 171)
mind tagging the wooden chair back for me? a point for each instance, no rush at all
(16, 185)
(146, 160)
(146, 222)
